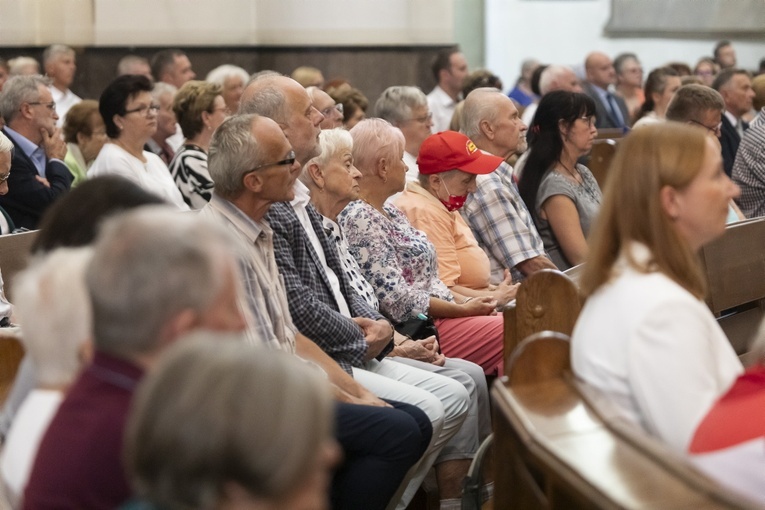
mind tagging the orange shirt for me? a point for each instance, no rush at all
(460, 260)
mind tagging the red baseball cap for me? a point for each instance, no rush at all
(450, 150)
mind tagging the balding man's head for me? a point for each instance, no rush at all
(600, 69)
(287, 102)
(557, 77)
(491, 120)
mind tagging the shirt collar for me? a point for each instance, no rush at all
(302, 194)
(416, 189)
(442, 97)
(731, 118)
(26, 145)
(250, 228)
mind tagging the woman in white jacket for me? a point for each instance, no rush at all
(645, 335)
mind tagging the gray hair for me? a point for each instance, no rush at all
(396, 103)
(162, 89)
(233, 152)
(278, 434)
(52, 304)
(221, 73)
(6, 145)
(374, 139)
(331, 141)
(128, 62)
(17, 66)
(550, 75)
(476, 109)
(148, 265)
(53, 51)
(264, 97)
(17, 91)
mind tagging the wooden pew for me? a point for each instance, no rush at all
(547, 300)
(600, 159)
(553, 450)
(735, 269)
(14, 256)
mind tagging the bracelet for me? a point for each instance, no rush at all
(466, 300)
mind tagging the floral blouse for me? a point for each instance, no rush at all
(397, 259)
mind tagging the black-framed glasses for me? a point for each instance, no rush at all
(144, 109)
(5, 176)
(50, 106)
(338, 107)
(289, 160)
(717, 130)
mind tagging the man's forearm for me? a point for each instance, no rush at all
(532, 265)
(308, 350)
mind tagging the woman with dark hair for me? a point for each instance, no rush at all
(74, 219)
(200, 109)
(660, 86)
(354, 103)
(85, 135)
(561, 194)
(130, 117)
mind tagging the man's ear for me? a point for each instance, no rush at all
(253, 182)
(487, 129)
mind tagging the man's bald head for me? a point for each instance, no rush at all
(285, 101)
(600, 69)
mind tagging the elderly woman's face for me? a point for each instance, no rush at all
(5, 170)
(140, 118)
(233, 86)
(341, 178)
(91, 145)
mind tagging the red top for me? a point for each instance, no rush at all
(737, 417)
(79, 462)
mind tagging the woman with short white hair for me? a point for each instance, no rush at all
(232, 80)
(53, 304)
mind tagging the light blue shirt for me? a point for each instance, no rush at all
(33, 152)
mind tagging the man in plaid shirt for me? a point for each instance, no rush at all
(496, 213)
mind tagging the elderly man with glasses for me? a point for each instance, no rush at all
(38, 173)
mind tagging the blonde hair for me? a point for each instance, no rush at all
(193, 98)
(668, 154)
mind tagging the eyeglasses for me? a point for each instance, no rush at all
(4, 177)
(338, 107)
(717, 129)
(144, 110)
(589, 119)
(424, 120)
(50, 106)
(225, 110)
(289, 160)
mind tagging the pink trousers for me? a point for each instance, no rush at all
(477, 339)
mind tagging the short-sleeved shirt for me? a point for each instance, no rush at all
(502, 225)
(460, 260)
(586, 197)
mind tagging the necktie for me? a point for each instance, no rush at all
(615, 112)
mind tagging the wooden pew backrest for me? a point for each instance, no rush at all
(14, 256)
(546, 301)
(554, 451)
(734, 265)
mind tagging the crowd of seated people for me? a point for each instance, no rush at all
(348, 273)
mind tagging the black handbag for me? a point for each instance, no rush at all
(418, 328)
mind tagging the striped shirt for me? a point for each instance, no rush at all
(189, 171)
